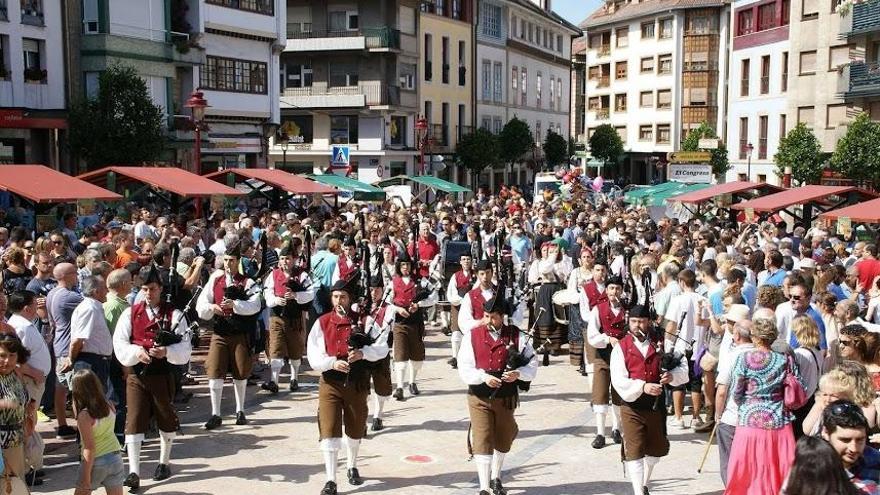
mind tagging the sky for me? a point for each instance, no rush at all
(575, 11)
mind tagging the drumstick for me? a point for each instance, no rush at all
(708, 444)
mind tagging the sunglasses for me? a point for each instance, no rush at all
(848, 408)
(795, 298)
(845, 343)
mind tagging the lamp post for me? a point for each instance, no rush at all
(422, 132)
(749, 149)
(283, 141)
(197, 104)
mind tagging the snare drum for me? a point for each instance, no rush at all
(561, 300)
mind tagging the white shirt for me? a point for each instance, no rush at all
(248, 307)
(726, 360)
(595, 337)
(127, 353)
(301, 297)
(89, 324)
(686, 304)
(631, 389)
(584, 302)
(33, 342)
(143, 230)
(810, 363)
(466, 320)
(321, 362)
(452, 291)
(471, 375)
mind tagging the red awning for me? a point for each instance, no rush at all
(728, 188)
(799, 196)
(42, 184)
(867, 212)
(173, 180)
(278, 178)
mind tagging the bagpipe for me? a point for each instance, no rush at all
(268, 261)
(517, 359)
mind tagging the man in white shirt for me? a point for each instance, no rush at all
(91, 343)
(726, 417)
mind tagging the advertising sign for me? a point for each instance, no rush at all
(691, 173)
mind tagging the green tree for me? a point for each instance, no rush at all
(121, 125)
(515, 139)
(857, 154)
(605, 144)
(555, 149)
(478, 150)
(720, 163)
(801, 151)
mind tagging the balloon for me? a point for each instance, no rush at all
(597, 183)
(566, 178)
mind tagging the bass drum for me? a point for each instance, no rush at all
(562, 299)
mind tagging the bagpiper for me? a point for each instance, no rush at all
(344, 382)
(379, 326)
(459, 285)
(408, 332)
(605, 326)
(150, 338)
(471, 312)
(347, 264)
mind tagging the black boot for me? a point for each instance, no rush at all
(645, 491)
(546, 360)
(32, 478)
(496, 487)
(294, 386)
(163, 472)
(453, 362)
(354, 477)
(598, 442)
(413, 389)
(377, 425)
(398, 394)
(133, 482)
(214, 422)
(329, 488)
(240, 418)
(270, 387)
(615, 435)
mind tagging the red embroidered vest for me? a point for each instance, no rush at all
(594, 296)
(477, 301)
(143, 328)
(639, 367)
(611, 324)
(462, 281)
(404, 292)
(491, 355)
(279, 279)
(346, 267)
(220, 286)
(336, 330)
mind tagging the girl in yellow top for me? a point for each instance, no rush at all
(101, 458)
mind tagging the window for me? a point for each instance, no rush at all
(486, 124)
(620, 102)
(559, 43)
(496, 125)
(407, 76)
(301, 130)
(524, 85)
(538, 89)
(646, 133)
(647, 64)
(513, 25)
(522, 29)
(665, 28)
(31, 52)
(340, 21)
(514, 79)
(621, 132)
(835, 115)
(809, 9)
(32, 12)
(487, 80)
(490, 19)
(767, 16)
(784, 72)
(558, 94)
(444, 56)
(700, 23)
(343, 75)
(298, 75)
(665, 64)
(808, 62)
(462, 66)
(745, 22)
(258, 6)
(762, 137)
(594, 103)
(765, 74)
(90, 16)
(697, 96)
(397, 130)
(620, 70)
(622, 36)
(444, 119)
(593, 73)
(498, 76)
(664, 99)
(552, 95)
(839, 56)
(805, 115)
(745, 70)
(406, 19)
(531, 32)
(646, 99)
(782, 126)
(663, 133)
(786, 14)
(762, 177)
(538, 133)
(743, 138)
(429, 56)
(343, 129)
(91, 86)
(647, 30)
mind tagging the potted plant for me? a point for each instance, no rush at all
(34, 74)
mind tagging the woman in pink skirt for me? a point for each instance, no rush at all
(763, 445)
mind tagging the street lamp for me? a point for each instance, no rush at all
(749, 149)
(283, 141)
(197, 103)
(422, 131)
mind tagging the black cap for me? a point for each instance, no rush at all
(484, 265)
(403, 257)
(614, 280)
(347, 284)
(600, 258)
(640, 311)
(377, 281)
(497, 304)
(286, 249)
(150, 275)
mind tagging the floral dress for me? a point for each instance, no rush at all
(12, 419)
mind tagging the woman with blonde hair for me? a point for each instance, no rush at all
(848, 381)
(810, 363)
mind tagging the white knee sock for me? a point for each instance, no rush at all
(650, 462)
(166, 438)
(294, 369)
(378, 405)
(600, 423)
(636, 472)
(456, 343)
(276, 364)
(399, 369)
(239, 386)
(615, 417)
(414, 367)
(497, 463)
(484, 465)
(330, 448)
(215, 387)
(133, 445)
(352, 447)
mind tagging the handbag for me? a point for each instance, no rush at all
(795, 396)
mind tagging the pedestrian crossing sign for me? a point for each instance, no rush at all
(340, 156)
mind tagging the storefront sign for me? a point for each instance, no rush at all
(21, 119)
(232, 145)
(688, 156)
(690, 173)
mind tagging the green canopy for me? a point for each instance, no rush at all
(634, 195)
(360, 191)
(427, 180)
(660, 198)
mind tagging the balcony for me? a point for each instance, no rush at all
(438, 136)
(365, 94)
(374, 39)
(863, 18)
(31, 13)
(859, 79)
(603, 50)
(464, 130)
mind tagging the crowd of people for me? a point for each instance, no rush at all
(763, 336)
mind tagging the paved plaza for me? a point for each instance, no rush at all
(422, 450)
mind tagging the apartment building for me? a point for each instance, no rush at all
(578, 107)
(349, 77)
(859, 80)
(758, 114)
(33, 116)
(523, 63)
(446, 76)
(655, 70)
